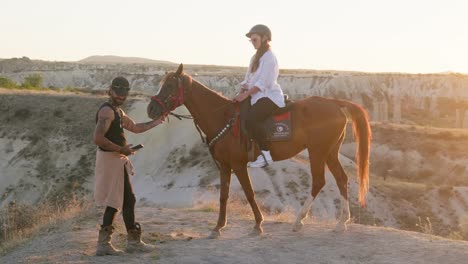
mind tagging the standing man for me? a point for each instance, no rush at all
(113, 188)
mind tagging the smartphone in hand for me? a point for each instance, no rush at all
(137, 147)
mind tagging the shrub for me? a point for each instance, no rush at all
(7, 83)
(32, 81)
(446, 191)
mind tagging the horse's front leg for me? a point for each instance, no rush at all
(244, 180)
(225, 181)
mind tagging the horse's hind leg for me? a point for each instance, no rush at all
(244, 180)
(341, 178)
(317, 166)
(225, 181)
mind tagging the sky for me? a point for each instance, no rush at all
(413, 36)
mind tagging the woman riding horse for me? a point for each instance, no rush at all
(260, 83)
(319, 126)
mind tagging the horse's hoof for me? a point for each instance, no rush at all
(214, 235)
(256, 232)
(297, 227)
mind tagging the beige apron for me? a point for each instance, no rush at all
(109, 178)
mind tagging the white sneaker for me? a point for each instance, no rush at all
(262, 160)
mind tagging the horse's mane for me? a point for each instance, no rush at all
(208, 91)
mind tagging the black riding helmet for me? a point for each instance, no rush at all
(261, 30)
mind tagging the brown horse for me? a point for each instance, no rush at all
(318, 126)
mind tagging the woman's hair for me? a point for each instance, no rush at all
(260, 51)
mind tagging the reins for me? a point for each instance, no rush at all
(178, 100)
(180, 117)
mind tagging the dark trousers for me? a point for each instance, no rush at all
(258, 113)
(128, 207)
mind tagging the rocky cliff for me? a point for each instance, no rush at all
(429, 99)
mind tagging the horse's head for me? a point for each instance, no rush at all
(170, 95)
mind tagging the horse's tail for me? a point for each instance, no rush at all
(362, 132)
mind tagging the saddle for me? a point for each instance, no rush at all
(278, 126)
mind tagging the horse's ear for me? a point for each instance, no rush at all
(179, 70)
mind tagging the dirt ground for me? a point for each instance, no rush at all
(181, 237)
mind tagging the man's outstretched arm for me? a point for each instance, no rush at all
(130, 125)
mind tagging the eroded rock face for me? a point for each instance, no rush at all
(387, 96)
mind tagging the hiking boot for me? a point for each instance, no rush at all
(134, 243)
(262, 160)
(104, 245)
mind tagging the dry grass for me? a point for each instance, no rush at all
(426, 226)
(18, 222)
(238, 205)
(464, 226)
(206, 207)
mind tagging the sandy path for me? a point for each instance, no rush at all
(180, 236)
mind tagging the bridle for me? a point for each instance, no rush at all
(176, 101)
(172, 101)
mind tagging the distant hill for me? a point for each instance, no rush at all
(109, 59)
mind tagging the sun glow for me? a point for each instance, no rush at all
(376, 36)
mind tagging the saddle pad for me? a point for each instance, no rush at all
(279, 127)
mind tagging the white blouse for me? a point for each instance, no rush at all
(265, 78)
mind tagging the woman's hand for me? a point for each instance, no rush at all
(244, 88)
(241, 97)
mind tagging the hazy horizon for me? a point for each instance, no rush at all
(366, 36)
(220, 65)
